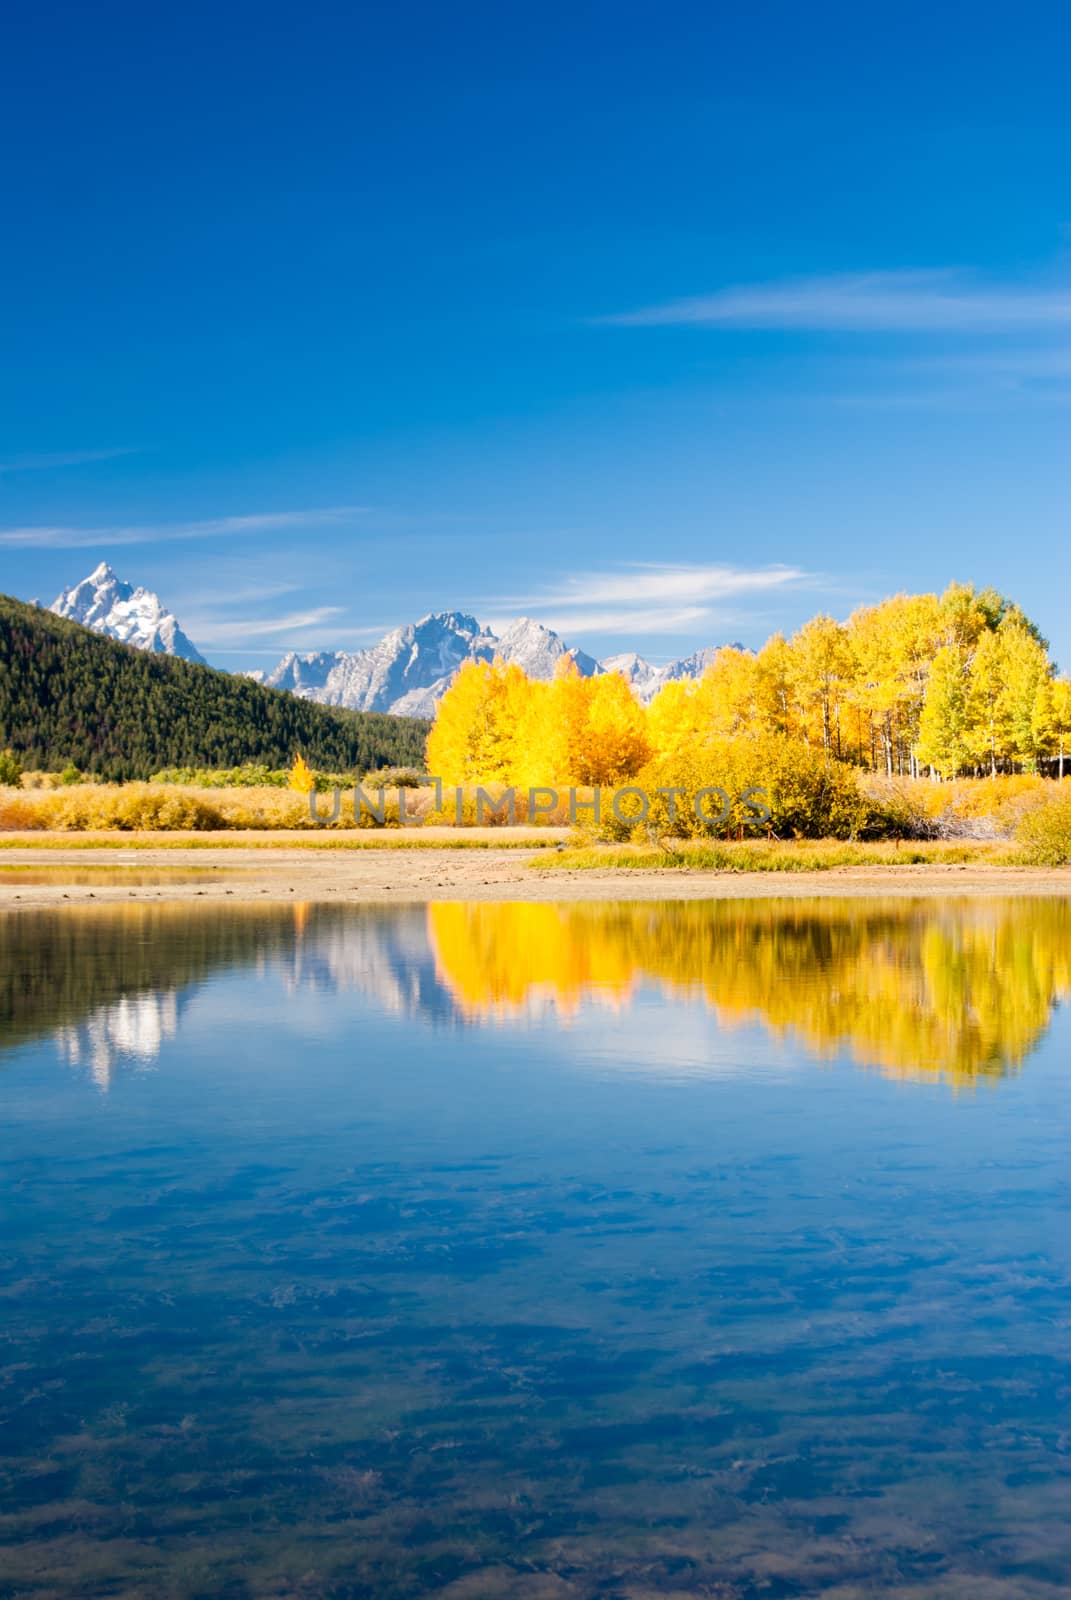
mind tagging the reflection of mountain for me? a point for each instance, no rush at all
(963, 987)
(134, 1027)
(385, 955)
(109, 982)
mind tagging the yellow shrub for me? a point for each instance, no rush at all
(17, 812)
(1045, 830)
(126, 808)
(807, 794)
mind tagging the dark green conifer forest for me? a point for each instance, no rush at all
(71, 696)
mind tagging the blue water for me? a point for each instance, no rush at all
(324, 1273)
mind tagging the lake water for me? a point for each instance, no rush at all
(627, 1250)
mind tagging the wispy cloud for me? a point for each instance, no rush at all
(226, 630)
(650, 583)
(648, 598)
(868, 302)
(659, 620)
(64, 458)
(81, 538)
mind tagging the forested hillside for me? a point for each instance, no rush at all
(67, 695)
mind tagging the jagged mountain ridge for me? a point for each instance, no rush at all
(109, 605)
(405, 673)
(410, 668)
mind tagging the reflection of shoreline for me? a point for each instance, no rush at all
(108, 984)
(963, 989)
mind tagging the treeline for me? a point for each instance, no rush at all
(68, 696)
(949, 684)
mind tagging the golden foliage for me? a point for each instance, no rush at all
(953, 684)
(962, 989)
(302, 779)
(1045, 831)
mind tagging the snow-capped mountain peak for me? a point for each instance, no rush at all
(109, 605)
(538, 649)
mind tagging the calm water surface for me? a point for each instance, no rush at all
(599, 1250)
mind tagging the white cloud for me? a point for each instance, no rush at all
(209, 632)
(72, 538)
(646, 599)
(867, 302)
(648, 584)
(658, 620)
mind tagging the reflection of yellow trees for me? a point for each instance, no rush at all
(964, 988)
(498, 959)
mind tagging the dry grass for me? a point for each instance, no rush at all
(758, 855)
(172, 807)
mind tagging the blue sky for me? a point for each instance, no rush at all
(666, 325)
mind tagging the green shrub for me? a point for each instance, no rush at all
(394, 778)
(10, 769)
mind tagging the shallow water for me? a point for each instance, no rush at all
(596, 1250)
(110, 875)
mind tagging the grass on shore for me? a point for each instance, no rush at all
(291, 839)
(757, 855)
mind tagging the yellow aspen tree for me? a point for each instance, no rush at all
(876, 687)
(774, 696)
(1025, 664)
(474, 734)
(302, 779)
(988, 730)
(942, 742)
(1061, 697)
(823, 661)
(673, 717)
(727, 692)
(1043, 719)
(615, 736)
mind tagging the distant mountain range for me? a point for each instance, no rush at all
(406, 673)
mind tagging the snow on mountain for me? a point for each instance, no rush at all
(538, 650)
(406, 673)
(108, 605)
(645, 679)
(409, 670)
(696, 664)
(302, 675)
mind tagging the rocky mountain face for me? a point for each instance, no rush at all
(410, 669)
(406, 673)
(106, 604)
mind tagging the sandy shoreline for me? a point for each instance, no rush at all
(34, 878)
